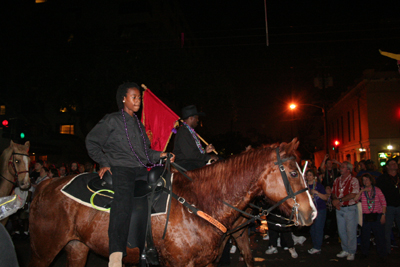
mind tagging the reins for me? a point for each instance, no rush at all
(267, 212)
(192, 209)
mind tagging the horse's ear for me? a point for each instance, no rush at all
(27, 144)
(295, 143)
(292, 146)
(11, 143)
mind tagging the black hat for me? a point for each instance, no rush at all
(191, 111)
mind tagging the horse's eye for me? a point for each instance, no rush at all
(293, 174)
(16, 161)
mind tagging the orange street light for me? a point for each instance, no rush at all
(292, 106)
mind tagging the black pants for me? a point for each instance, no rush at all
(123, 179)
(286, 238)
(330, 223)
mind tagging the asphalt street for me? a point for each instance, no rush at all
(327, 258)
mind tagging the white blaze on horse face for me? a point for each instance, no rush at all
(314, 209)
(26, 180)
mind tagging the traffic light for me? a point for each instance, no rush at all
(337, 142)
(336, 146)
(6, 129)
(20, 129)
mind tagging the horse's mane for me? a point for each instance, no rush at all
(235, 174)
(219, 181)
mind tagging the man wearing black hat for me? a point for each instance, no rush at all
(188, 150)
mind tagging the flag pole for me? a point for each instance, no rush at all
(204, 141)
(170, 135)
(143, 115)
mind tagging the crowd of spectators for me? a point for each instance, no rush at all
(336, 189)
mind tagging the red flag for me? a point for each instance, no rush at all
(158, 119)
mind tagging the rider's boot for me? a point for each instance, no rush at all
(115, 259)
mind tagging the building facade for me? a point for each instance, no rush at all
(366, 120)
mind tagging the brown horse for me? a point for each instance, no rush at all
(57, 221)
(14, 169)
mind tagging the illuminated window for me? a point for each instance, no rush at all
(40, 1)
(65, 109)
(2, 110)
(67, 129)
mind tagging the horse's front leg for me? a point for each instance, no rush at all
(77, 253)
(242, 241)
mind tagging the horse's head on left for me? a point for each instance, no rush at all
(16, 164)
(283, 179)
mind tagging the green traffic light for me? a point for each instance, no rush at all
(22, 135)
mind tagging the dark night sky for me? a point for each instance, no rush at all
(307, 39)
(246, 84)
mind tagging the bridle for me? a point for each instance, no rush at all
(11, 162)
(263, 212)
(289, 191)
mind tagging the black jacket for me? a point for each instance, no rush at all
(186, 151)
(107, 143)
(330, 177)
(386, 183)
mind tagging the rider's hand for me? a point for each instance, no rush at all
(164, 154)
(173, 157)
(103, 170)
(209, 148)
(214, 157)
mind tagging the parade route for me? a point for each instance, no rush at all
(327, 258)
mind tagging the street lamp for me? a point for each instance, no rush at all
(292, 106)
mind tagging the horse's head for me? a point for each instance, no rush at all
(283, 179)
(18, 164)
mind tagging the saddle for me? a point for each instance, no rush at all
(143, 185)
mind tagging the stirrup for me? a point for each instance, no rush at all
(152, 256)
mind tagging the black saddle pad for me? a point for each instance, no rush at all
(86, 186)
